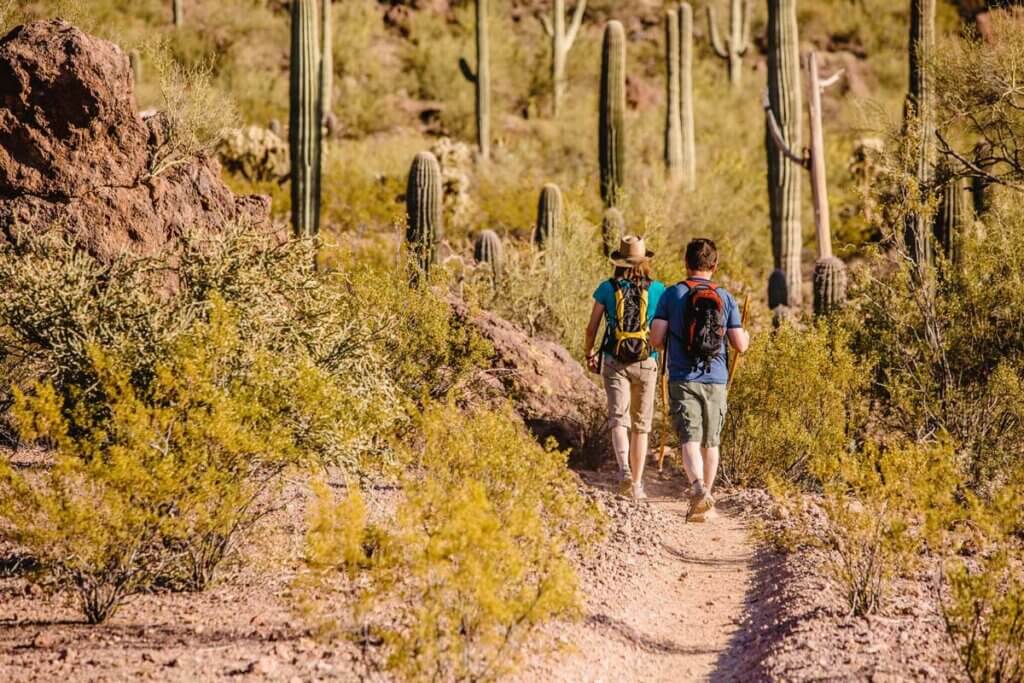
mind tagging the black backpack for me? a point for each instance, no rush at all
(630, 340)
(703, 323)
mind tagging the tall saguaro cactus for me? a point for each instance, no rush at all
(920, 110)
(686, 95)
(612, 113)
(673, 117)
(304, 119)
(326, 61)
(549, 217)
(424, 203)
(784, 109)
(178, 13)
(482, 80)
(735, 46)
(561, 42)
(954, 216)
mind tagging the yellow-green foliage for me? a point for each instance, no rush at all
(474, 559)
(795, 399)
(879, 508)
(948, 353)
(984, 615)
(160, 480)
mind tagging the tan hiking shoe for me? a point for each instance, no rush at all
(700, 502)
(638, 492)
(625, 487)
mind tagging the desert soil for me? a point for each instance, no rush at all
(664, 601)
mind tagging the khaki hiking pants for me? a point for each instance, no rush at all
(630, 388)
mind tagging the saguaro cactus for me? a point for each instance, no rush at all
(613, 226)
(326, 62)
(783, 134)
(304, 119)
(612, 113)
(487, 248)
(561, 43)
(424, 197)
(735, 46)
(482, 80)
(673, 117)
(954, 217)
(177, 13)
(549, 217)
(920, 111)
(135, 62)
(686, 95)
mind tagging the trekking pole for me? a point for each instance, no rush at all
(663, 384)
(734, 363)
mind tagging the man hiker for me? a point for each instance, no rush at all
(694, 319)
(626, 359)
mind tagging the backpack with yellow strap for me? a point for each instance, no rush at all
(630, 339)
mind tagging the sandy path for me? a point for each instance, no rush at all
(672, 614)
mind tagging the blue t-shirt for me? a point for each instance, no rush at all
(605, 295)
(681, 368)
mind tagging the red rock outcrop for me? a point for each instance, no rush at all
(76, 156)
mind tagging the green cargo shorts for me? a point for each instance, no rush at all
(698, 411)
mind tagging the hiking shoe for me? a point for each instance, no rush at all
(638, 492)
(625, 487)
(700, 502)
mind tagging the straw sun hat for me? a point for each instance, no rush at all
(631, 252)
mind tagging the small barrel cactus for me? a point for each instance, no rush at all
(829, 285)
(424, 198)
(549, 217)
(612, 113)
(613, 227)
(487, 248)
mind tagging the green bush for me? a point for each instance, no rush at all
(796, 398)
(879, 510)
(474, 559)
(163, 481)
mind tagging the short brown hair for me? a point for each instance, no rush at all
(701, 254)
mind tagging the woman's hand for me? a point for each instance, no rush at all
(593, 361)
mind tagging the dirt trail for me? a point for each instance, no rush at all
(673, 613)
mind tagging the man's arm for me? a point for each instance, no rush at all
(739, 338)
(659, 331)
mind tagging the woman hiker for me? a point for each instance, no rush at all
(626, 360)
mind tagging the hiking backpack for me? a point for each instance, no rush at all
(703, 323)
(631, 336)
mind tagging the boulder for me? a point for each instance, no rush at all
(549, 390)
(75, 155)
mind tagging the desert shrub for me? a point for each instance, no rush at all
(474, 559)
(984, 616)
(879, 509)
(796, 398)
(948, 353)
(164, 481)
(194, 116)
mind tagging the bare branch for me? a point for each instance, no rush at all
(467, 73)
(827, 83)
(546, 24)
(776, 133)
(577, 21)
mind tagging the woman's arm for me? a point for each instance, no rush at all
(591, 335)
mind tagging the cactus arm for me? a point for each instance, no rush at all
(716, 40)
(574, 26)
(827, 83)
(545, 23)
(776, 133)
(467, 72)
(745, 28)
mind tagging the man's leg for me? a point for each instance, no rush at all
(710, 466)
(693, 462)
